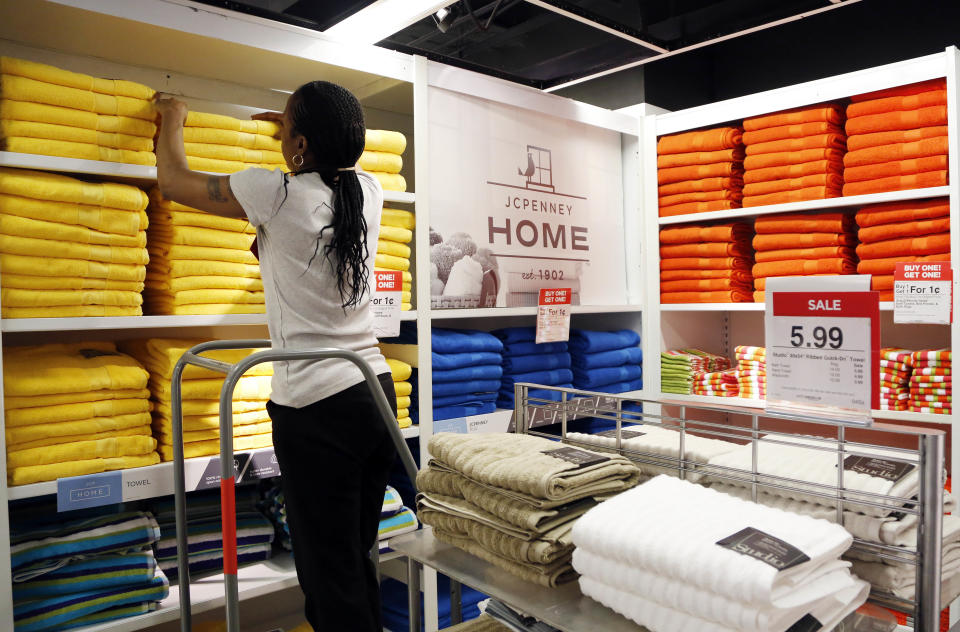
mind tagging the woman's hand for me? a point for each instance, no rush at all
(273, 117)
(170, 108)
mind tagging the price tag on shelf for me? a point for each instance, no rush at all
(923, 293)
(553, 315)
(386, 303)
(93, 490)
(823, 354)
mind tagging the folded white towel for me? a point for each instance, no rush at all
(900, 580)
(671, 527)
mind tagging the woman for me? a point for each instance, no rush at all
(317, 235)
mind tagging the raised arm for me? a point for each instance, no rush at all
(176, 180)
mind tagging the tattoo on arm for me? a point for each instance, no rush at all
(213, 189)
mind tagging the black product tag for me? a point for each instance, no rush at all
(626, 434)
(96, 353)
(878, 467)
(580, 458)
(764, 547)
(808, 623)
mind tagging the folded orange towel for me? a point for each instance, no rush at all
(825, 141)
(703, 196)
(831, 113)
(906, 246)
(698, 207)
(801, 267)
(898, 151)
(881, 282)
(740, 248)
(695, 172)
(886, 297)
(823, 252)
(832, 180)
(897, 183)
(892, 212)
(902, 91)
(700, 158)
(704, 285)
(897, 104)
(743, 276)
(702, 140)
(796, 195)
(706, 263)
(862, 141)
(895, 168)
(871, 234)
(696, 186)
(780, 241)
(888, 121)
(726, 296)
(889, 265)
(695, 234)
(768, 134)
(812, 160)
(804, 223)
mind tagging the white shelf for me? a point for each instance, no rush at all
(906, 415)
(885, 306)
(490, 312)
(410, 433)
(810, 205)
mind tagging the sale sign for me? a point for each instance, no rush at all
(553, 315)
(923, 293)
(386, 303)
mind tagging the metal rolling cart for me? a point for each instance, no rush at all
(227, 483)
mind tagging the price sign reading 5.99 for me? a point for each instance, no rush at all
(821, 337)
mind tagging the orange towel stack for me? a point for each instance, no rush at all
(706, 264)
(717, 383)
(803, 244)
(931, 385)
(901, 232)
(794, 155)
(751, 372)
(700, 171)
(897, 139)
(896, 366)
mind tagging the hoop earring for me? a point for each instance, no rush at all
(297, 163)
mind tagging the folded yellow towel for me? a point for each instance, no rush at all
(399, 235)
(192, 297)
(160, 356)
(40, 432)
(53, 267)
(407, 276)
(61, 77)
(180, 284)
(250, 387)
(81, 410)
(227, 152)
(398, 218)
(42, 371)
(39, 229)
(405, 422)
(55, 115)
(403, 413)
(401, 371)
(65, 452)
(165, 433)
(98, 218)
(27, 246)
(393, 249)
(31, 401)
(142, 430)
(209, 407)
(385, 140)
(403, 389)
(406, 307)
(202, 309)
(83, 151)
(222, 122)
(389, 262)
(212, 447)
(402, 352)
(214, 136)
(67, 283)
(79, 311)
(403, 402)
(40, 473)
(190, 268)
(41, 185)
(193, 423)
(380, 161)
(15, 297)
(390, 181)
(407, 287)
(49, 131)
(200, 253)
(166, 212)
(207, 237)
(24, 89)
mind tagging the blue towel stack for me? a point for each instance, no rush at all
(606, 361)
(526, 361)
(466, 374)
(395, 519)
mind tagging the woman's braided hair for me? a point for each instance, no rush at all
(331, 119)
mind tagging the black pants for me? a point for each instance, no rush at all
(335, 455)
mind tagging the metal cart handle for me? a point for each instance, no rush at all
(227, 483)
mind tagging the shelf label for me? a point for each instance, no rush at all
(146, 482)
(386, 303)
(823, 354)
(93, 490)
(923, 293)
(262, 465)
(210, 477)
(457, 425)
(553, 315)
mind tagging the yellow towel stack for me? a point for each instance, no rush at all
(70, 248)
(74, 409)
(393, 253)
(55, 112)
(200, 263)
(382, 158)
(201, 398)
(224, 144)
(401, 383)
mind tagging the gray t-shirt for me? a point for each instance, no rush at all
(304, 307)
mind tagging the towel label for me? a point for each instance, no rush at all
(875, 466)
(808, 623)
(626, 434)
(764, 547)
(580, 458)
(922, 293)
(96, 353)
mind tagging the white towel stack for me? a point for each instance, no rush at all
(675, 556)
